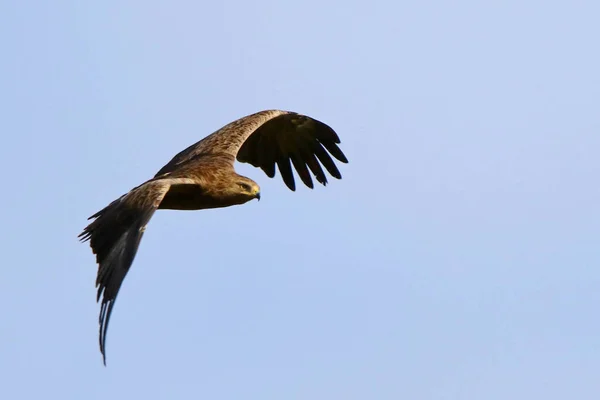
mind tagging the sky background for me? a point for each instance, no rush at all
(456, 259)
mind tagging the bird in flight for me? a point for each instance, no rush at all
(203, 176)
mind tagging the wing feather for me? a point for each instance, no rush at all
(315, 168)
(300, 166)
(335, 151)
(286, 172)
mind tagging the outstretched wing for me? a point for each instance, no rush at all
(270, 138)
(115, 236)
(226, 140)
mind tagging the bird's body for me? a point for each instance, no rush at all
(210, 179)
(203, 177)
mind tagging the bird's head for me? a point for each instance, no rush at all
(243, 189)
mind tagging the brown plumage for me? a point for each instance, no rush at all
(203, 176)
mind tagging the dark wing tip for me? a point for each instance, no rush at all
(337, 153)
(84, 236)
(103, 320)
(304, 141)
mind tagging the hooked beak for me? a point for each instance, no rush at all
(257, 196)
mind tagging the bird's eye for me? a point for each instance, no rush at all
(245, 186)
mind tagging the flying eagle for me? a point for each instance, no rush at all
(203, 176)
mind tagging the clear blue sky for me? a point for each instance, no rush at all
(457, 259)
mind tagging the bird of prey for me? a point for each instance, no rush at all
(203, 176)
